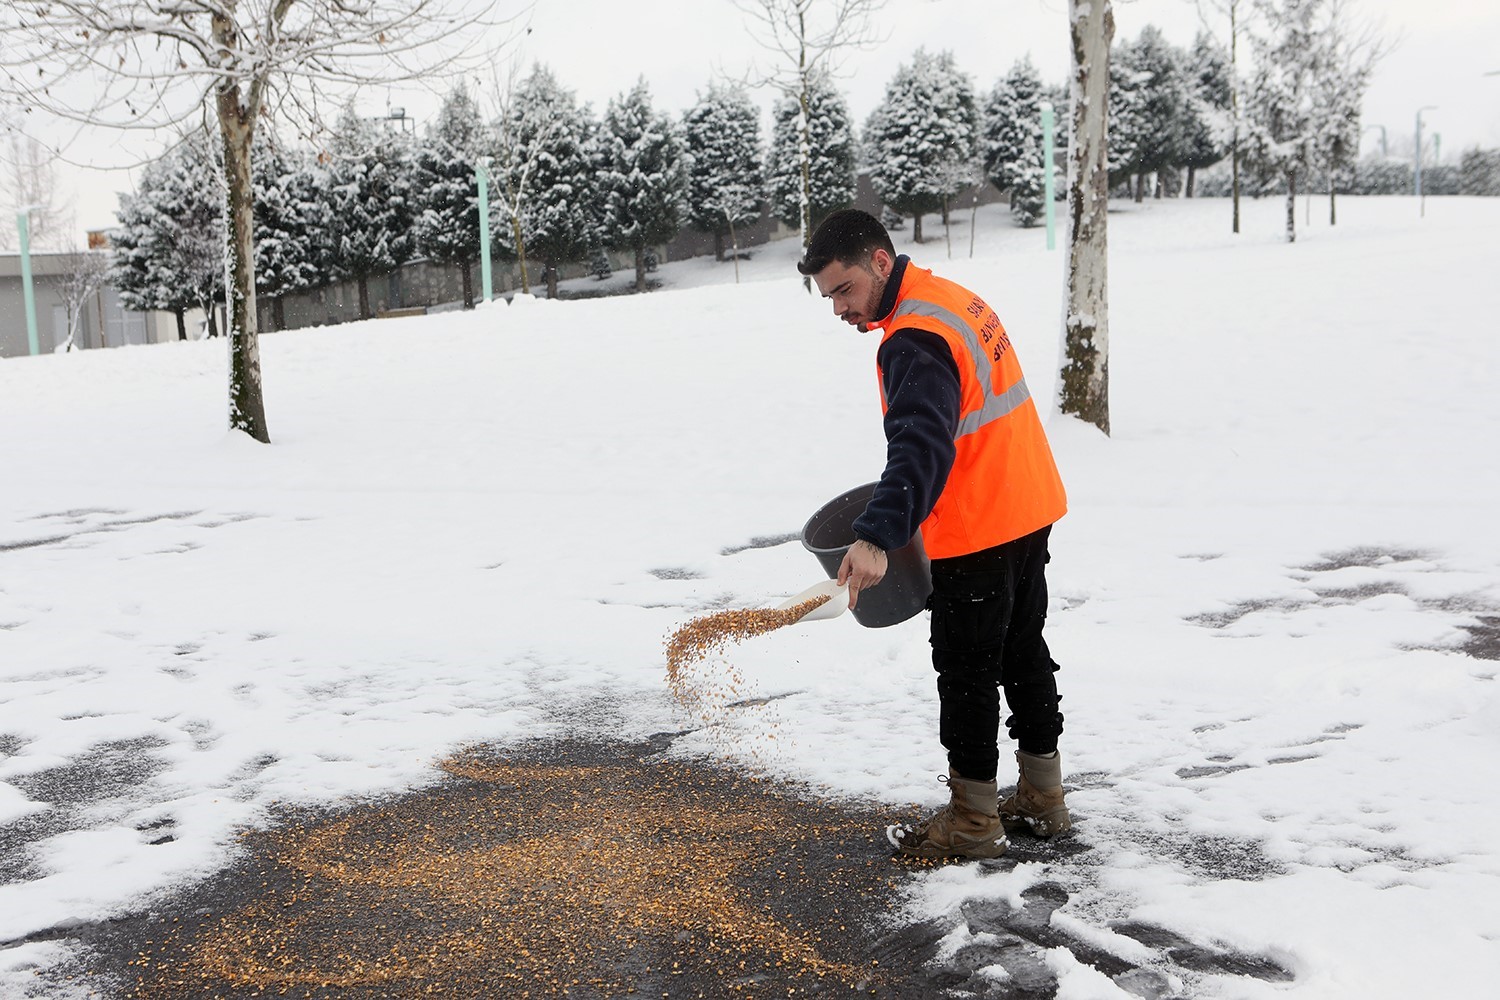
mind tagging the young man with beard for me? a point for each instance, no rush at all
(969, 466)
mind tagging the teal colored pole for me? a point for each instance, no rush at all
(1047, 173)
(23, 225)
(484, 230)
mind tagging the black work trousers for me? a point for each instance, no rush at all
(988, 609)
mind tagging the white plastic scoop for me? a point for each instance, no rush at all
(837, 603)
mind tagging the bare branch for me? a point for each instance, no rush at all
(807, 37)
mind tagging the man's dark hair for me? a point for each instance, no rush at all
(848, 236)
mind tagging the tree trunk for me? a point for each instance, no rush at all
(1140, 188)
(1234, 184)
(1157, 186)
(364, 296)
(916, 227)
(804, 156)
(1234, 109)
(246, 407)
(1084, 390)
(1192, 172)
(640, 269)
(1333, 212)
(1291, 206)
(947, 229)
(735, 243)
(278, 312)
(718, 246)
(468, 280)
(515, 221)
(973, 220)
(551, 280)
(181, 323)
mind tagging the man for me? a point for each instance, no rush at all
(968, 464)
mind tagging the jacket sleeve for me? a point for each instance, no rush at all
(921, 386)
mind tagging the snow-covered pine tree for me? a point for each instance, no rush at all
(721, 135)
(1127, 115)
(831, 156)
(545, 176)
(1283, 120)
(372, 207)
(923, 137)
(169, 246)
(1012, 142)
(447, 229)
(1147, 95)
(640, 175)
(1207, 122)
(292, 242)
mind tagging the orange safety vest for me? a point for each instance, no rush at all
(1004, 483)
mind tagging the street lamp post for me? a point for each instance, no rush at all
(482, 178)
(1384, 150)
(1417, 173)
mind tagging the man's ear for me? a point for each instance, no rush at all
(882, 262)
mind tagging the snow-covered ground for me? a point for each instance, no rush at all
(482, 526)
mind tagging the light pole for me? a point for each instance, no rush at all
(482, 177)
(28, 294)
(1417, 173)
(1384, 151)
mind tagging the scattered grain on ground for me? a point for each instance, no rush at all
(527, 879)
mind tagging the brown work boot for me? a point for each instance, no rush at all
(1037, 803)
(967, 827)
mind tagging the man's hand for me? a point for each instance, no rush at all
(863, 566)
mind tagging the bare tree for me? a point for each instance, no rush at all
(523, 128)
(1235, 11)
(1085, 373)
(28, 181)
(84, 278)
(806, 38)
(156, 63)
(1354, 46)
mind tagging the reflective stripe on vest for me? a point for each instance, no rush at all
(996, 405)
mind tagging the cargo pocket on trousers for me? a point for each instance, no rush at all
(976, 619)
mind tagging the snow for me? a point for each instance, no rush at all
(482, 526)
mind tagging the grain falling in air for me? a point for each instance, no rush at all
(707, 685)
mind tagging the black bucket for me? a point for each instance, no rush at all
(908, 578)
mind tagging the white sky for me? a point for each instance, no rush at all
(599, 48)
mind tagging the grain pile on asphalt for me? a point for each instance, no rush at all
(578, 870)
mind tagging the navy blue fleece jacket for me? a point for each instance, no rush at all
(921, 385)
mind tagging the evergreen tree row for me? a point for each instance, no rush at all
(563, 187)
(1170, 109)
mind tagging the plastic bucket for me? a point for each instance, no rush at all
(908, 577)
